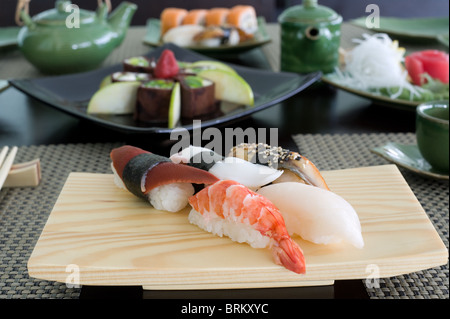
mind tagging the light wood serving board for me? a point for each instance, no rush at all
(98, 234)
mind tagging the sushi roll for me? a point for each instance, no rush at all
(153, 101)
(171, 18)
(166, 185)
(139, 64)
(130, 77)
(216, 16)
(296, 167)
(196, 16)
(229, 208)
(244, 18)
(214, 36)
(197, 97)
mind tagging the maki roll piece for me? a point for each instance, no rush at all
(165, 184)
(153, 101)
(197, 97)
(130, 77)
(139, 64)
(244, 18)
(216, 16)
(195, 16)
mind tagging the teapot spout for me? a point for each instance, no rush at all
(120, 19)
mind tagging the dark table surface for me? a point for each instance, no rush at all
(319, 109)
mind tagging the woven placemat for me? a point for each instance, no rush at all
(24, 211)
(330, 152)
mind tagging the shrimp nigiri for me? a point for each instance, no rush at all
(229, 208)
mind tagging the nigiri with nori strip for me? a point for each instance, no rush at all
(229, 208)
(197, 156)
(166, 185)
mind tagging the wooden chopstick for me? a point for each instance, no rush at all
(6, 163)
(3, 154)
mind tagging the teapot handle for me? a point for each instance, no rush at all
(21, 5)
(107, 2)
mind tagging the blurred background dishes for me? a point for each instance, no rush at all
(53, 47)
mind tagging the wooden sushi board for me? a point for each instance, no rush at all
(98, 234)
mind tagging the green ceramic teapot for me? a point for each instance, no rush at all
(310, 38)
(67, 39)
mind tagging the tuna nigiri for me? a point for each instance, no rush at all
(315, 214)
(229, 208)
(171, 18)
(166, 185)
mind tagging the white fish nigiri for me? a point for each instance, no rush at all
(315, 214)
(246, 173)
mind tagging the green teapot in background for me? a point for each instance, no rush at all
(67, 39)
(310, 38)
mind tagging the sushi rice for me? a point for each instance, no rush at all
(171, 197)
(241, 232)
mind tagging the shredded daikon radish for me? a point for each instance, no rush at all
(376, 62)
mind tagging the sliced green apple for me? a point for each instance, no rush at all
(207, 64)
(175, 106)
(116, 98)
(107, 80)
(229, 87)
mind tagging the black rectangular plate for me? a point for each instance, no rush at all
(71, 93)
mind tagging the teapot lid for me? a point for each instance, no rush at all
(63, 9)
(309, 11)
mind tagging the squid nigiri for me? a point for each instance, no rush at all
(246, 173)
(315, 214)
(166, 185)
(229, 208)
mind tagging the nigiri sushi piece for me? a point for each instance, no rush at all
(229, 208)
(216, 16)
(214, 36)
(249, 174)
(166, 185)
(196, 16)
(171, 18)
(244, 18)
(183, 35)
(297, 168)
(315, 214)
(197, 156)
